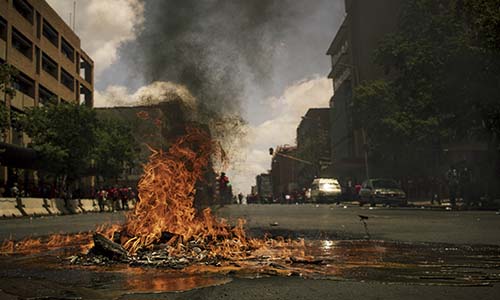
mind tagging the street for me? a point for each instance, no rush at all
(424, 230)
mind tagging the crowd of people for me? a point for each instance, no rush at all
(115, 198)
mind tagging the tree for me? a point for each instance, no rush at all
(7, 75)
(115, 148)
(64, 137)
(444, 68)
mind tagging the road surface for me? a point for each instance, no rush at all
(415, 225)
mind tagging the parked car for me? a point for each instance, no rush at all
(325, 190)
(382, 191)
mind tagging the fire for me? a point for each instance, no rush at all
(165, 206)
(55, 241)
(165, 215)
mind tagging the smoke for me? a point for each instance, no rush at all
(241, 59)
(235, 59)
(222, 51)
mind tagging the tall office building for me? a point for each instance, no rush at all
(51, 67)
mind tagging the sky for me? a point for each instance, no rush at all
(263, 61)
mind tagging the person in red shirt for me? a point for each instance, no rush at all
(224, 192)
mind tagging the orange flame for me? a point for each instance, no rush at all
(166, 196)
(165, 206)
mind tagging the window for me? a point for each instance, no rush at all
(85, 70)
(24, 84)
(85, 96)
(22, 44)
(50, 33)
(45, 96)
(3, 29)
(67, 80)
(38, 25)
(24, 9)
(67, 50)
(50, 66)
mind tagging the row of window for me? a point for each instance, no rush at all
(49, 32)
(26, 85)
(25, 46)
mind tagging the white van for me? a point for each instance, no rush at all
(325, 190)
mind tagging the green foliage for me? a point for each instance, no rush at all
(443, 65)
(7, 74)
(116, 148)
(68, 137)
(64, 137)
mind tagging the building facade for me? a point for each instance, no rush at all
(352, 63)
(264, 188)
(284, 169)
(313, 145)
(50, 63)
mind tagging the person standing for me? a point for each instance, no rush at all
(14, 191)
(224, 192)
(466, 189)
(453, 185)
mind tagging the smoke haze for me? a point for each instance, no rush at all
(226, 51)
(259, 60)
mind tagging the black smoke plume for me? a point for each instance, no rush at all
(218, 48)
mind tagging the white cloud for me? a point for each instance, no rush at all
(155, 92)
(103, 25)
(287, 111)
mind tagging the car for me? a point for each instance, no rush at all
(382, 191)
(325, 190)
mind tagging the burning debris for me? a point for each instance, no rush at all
(165, 229)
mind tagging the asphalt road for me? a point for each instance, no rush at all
(403, 224)
(309, 221)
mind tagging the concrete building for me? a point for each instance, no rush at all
(351, 51)
(313, 145)
(264, 188)
(51, 65)
(284, 169)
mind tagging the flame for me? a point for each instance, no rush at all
(166, 196)
(165, 207)
(55, 241)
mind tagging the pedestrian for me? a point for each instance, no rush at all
(453, 184)
(101, 199)
(466, 189)
(124, 195)
(224, 192)
(357, 188)
(240, 198)
(14, 191)
(113, 197)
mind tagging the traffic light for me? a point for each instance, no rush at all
(271, 151)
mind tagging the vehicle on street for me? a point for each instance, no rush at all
(382, 191)
(325, 190)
